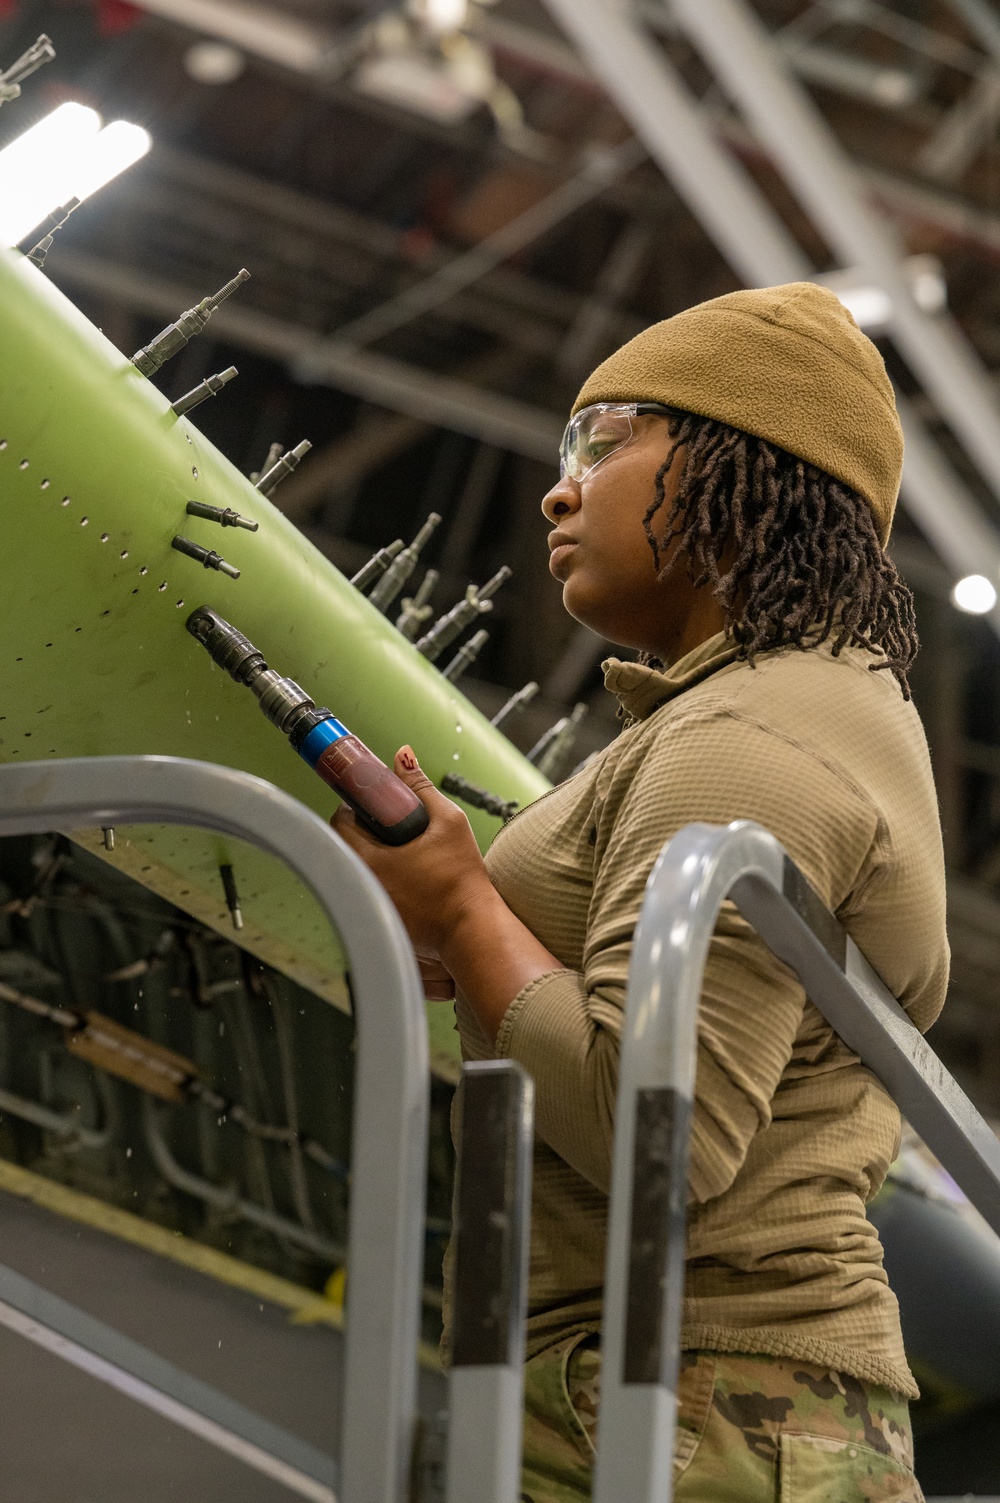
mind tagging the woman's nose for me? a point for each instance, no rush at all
(562, 499)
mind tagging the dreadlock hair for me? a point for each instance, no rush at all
(801, 558)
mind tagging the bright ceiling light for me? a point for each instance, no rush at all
(974, 594)
(441, 15)
(38, 168)
(870, 307)
(213, 62)
(64, 156)
(115, 148)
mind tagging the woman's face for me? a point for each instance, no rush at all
(600, 554)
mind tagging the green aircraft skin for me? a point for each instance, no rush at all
(95, 475)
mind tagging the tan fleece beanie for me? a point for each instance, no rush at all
(788, 364)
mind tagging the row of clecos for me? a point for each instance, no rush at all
(385, 575)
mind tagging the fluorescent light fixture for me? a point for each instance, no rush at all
(118, 146)
(64, 156)
(870, 307)
(213, 62)
(974, 594)
(441, 15)
(37, 169)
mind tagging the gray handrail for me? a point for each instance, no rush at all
(694, 874)
(493, 1210)
(391, 1101)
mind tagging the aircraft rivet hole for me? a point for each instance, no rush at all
(136, 590)
(105, 613)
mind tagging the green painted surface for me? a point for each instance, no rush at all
(95, 475)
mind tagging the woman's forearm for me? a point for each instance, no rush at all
(493, 957)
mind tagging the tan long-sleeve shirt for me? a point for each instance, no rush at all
(791, 1135)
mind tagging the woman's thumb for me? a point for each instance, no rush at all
(407, 767)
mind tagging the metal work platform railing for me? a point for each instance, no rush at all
(696, 872)
(391, 1106)
(699, 869)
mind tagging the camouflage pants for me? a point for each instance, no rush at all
(749, 1430)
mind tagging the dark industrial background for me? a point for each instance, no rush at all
(428, 381)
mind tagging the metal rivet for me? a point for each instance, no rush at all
(24, 464)
(45, 485)
(144, 570)
(84, 521)
(124, 553)
(163, 586)
(65, 501)
(105, 536)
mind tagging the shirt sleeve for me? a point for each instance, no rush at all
(565, 1027)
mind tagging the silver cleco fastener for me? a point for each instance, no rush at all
(476, 603)
(210, 387)
(273, 476)
(551, 752)
(176, 335)
(415, 608)
(465, 657)
(402, 566)
(224, 515)
(376, 565)
(515, 704)
(205, 556)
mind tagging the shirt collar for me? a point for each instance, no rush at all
(640, 689)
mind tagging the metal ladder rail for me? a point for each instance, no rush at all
(694, 874)
(391, 1105)
(492, 1223)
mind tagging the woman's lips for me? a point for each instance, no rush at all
(559, 556)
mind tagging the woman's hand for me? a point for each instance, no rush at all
(458, 923)
(434, 880)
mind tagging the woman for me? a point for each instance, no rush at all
(727, 488)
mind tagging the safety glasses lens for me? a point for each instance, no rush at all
(591, 436)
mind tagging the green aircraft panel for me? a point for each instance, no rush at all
(95, 475)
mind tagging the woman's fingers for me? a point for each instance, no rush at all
(406, 766)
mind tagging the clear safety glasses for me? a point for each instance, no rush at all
(598, 431)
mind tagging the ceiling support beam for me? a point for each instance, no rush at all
(597, 173)
(737, 48)
(657, 104)
(394, 384)
(758, 245)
